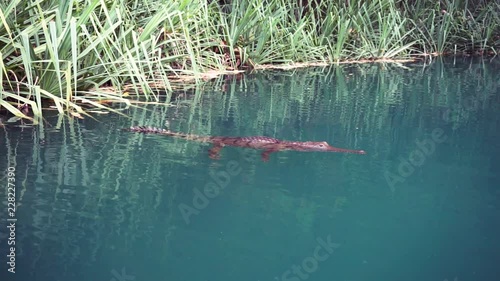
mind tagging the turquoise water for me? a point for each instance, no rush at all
(96, 203)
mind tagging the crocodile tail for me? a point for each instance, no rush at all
(146, 130)
(159, 131)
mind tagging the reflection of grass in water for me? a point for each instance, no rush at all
(363, 101)
(86, 191)
(360, 100)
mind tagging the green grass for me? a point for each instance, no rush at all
(64, 54)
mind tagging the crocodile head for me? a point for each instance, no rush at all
(324, 146)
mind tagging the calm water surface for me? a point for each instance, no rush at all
(96, 203)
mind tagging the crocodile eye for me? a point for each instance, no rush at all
(321, 145)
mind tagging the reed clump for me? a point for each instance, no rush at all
(80, 55)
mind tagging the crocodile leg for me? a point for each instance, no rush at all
(214, 152)
(265, 154)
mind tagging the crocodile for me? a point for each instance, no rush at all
(268, 144)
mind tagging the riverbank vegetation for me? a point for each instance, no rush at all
(77, 56)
